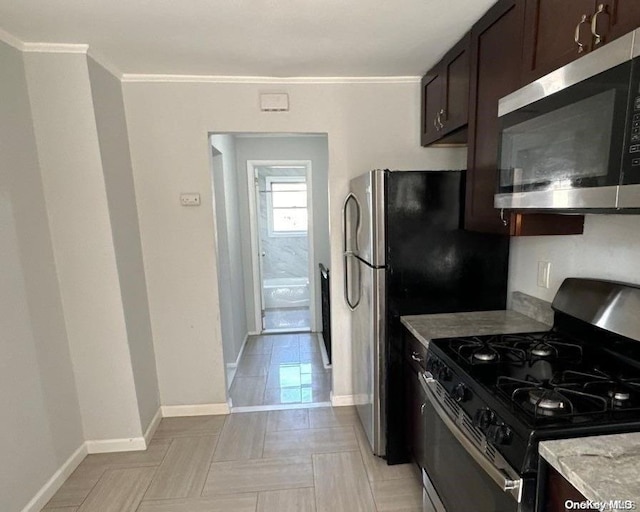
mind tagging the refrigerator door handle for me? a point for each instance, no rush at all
(345, 227)
(354, 305)
(347, 252)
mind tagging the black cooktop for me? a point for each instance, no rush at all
(548, 379)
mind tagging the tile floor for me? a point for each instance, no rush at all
(291, 319)
(297, 460)
(281, 369)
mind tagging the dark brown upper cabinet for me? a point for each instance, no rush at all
(445, 97)
(614, 18)
(557, 32)
(496, 53)
(496, 50)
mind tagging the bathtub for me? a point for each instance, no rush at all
(286, 292)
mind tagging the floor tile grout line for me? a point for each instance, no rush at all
(264, 434)
(92, 487)
(155, 471)
(210, 462)
(315, 482)
(364, 466)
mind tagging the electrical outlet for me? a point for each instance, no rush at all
(190, 199)
(544, 273)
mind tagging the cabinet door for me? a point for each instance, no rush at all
(615, 18)
(549, 34)
(496, 50)
(414, 400)
(431, 106)
(557, 490)
(455, 67)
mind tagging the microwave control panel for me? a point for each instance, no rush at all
(631, 157)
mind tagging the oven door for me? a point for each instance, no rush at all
(459, 476)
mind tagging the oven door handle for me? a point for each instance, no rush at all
(498, 475)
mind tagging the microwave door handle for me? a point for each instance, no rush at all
(513, 487)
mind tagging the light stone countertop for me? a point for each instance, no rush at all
(477, 323)
(602, 468)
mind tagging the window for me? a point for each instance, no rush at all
(287, 205)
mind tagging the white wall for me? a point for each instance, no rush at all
(608, 249)
(306, 147)
(228, 241)
(40, 426)
(369, 125)
(113, 139)
(76, 200)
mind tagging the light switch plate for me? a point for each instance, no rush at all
(544, 273)
(190, 199)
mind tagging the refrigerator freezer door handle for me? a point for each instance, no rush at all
(348, 253)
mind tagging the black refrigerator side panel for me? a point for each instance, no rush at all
(433, 266)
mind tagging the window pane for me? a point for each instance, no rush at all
(289, 219)
(289, 199)
(288, 195)
(287, 186)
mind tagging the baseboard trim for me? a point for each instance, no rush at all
(342, 400)
(55, 482)
(131, 444)
(174, 411)
(279, 407)
(231, 367)
(231, 374)
(153, 426)
(323, 352)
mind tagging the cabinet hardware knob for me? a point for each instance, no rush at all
(435, 123)
(441, 113)
(602, 8)
(576, 37)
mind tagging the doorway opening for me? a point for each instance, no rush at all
(271, 209)
(282, 235)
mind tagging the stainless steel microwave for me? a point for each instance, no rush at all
(570, 141)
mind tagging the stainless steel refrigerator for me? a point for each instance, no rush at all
(406, 253)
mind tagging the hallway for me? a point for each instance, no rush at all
(281, 369)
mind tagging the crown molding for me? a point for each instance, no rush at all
(11, 40)
(215, 79)
(54, 48)
(105, 63)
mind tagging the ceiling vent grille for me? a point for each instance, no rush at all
(273, 102)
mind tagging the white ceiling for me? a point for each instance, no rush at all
(276, 38)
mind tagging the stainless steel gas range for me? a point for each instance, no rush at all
(491, 399)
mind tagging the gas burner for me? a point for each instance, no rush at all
(548, 401)
(619, 395)
(485, 355)
(543, 350)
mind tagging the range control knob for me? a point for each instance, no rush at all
(461, 393)
(484, 418)
(499, 434)
(444, 374)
